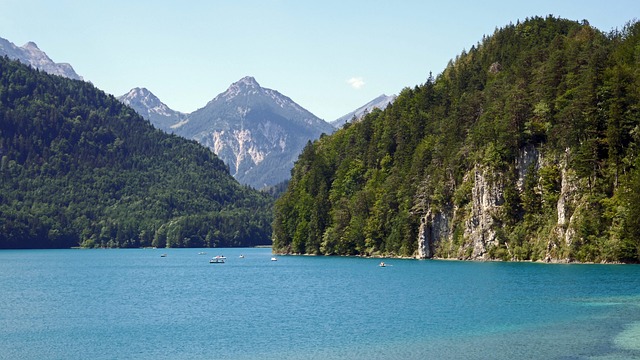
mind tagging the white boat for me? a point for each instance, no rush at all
(241, 256)
(217, 260)
(274, 259)
(382, 264)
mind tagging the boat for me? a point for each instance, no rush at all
(241, 256)
(274, 259)
(163, 255)
(202, 253)
(382, 264)
(217, 260)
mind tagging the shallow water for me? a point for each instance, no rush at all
(107, 304)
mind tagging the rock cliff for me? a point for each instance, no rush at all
(482, 217)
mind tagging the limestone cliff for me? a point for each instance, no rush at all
(483, 216)
(480, 226)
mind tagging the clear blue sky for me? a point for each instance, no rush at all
(329, 56)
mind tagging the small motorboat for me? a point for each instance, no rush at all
(217, 260)
(241, 256)
(274, 259)
(382, 264)
(163, 255)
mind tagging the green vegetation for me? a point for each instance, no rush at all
(78, 168)
(547, 86)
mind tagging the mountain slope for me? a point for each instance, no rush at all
(381, 102)
(80, 168)
(30, 54)
(257, 132)
(526, 147)
(145, 103)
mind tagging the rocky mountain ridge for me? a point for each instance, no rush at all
(381, 102)
(149, 106)
(30, 54)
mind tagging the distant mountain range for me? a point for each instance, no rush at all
(30, 54)
(257, 132)
(381, 102)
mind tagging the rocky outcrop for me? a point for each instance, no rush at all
(434, 226)
(567, 201)
(480, 227)
(482, 215)
(479, 217)
(529, 157)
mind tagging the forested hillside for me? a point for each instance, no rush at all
(79, 168)
(524, 148)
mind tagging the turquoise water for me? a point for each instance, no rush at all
(135, 304)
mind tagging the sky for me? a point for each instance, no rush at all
(328, 56)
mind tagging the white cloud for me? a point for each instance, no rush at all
(356, 82)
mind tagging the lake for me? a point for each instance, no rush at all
(136, 304)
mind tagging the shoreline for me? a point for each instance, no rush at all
(550, 261)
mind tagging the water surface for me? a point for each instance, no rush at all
(135, 304)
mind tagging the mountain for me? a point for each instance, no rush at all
(257, 132)
(381, 102)
(79, 168)
(145, 103)
(526, 147)
(30, 54)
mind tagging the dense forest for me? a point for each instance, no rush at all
(78, 168)
(526, 147)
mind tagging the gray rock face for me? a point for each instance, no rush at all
(528, 156)
(433, 227)
(30, 54)
(567, 201)
(481, 215)
(487, 196)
